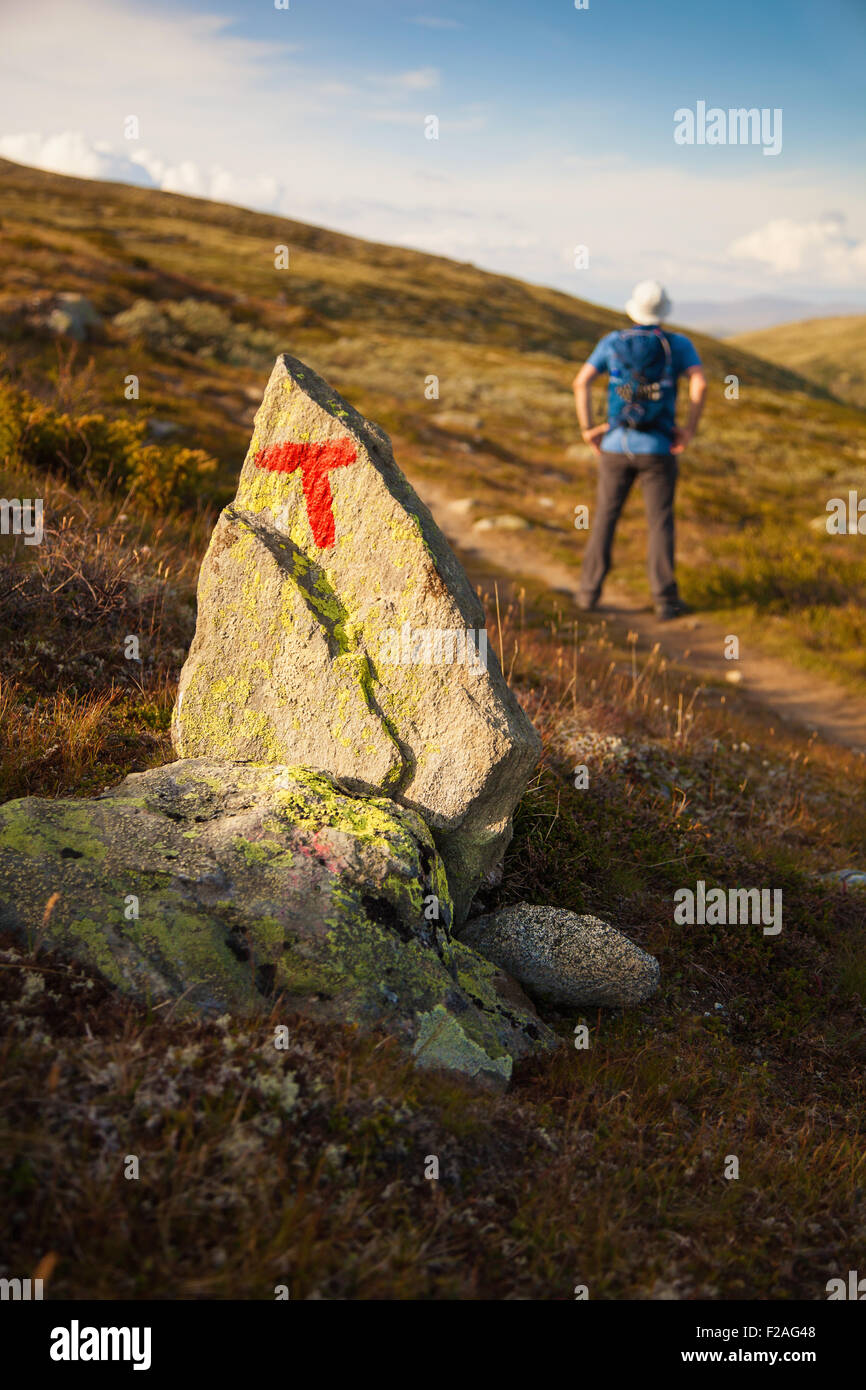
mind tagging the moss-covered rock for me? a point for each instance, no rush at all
(224, 886)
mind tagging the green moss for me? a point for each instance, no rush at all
(258, 851)
(214, 714)
(377, 962)
(442, 1042)
(300, 974)
(267, 936)
(259, 726)
(191, 947)
(368, 819)
(96, 950)
(67, 831)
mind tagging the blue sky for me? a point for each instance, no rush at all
(556, 127)
(624, 64)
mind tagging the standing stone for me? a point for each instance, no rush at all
(336, 629)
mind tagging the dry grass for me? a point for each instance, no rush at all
(603, 1167)
(77, 708)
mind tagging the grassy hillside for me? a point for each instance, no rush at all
(831, 352)
(192, 304)
(115, 242)
(605, 1166)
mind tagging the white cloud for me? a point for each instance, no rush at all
(821, 247)
(466, 124)
(123, 49)
(425, 203)
(70, 152)
(213, 182)
(415, 80)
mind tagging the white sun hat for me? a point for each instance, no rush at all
(649, 303)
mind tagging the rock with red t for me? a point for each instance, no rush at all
(338, 631)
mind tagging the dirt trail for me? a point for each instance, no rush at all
(793, 694)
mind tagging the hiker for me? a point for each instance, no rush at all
(640, 439)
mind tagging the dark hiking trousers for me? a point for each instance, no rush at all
(616, 476)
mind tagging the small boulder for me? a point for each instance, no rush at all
(463, 505)
(161, 429)
(458, 421)
(847, 878)
(504, 522)
(73, 316)
(563, 958)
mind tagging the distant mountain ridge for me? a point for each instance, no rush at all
(831, 352)
(727, 319)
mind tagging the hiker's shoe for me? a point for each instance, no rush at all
(586, 603)
(676, 609)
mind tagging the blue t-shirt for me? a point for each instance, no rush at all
(621, 440)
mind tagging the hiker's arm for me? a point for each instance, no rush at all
(697, 391)
(583, 406)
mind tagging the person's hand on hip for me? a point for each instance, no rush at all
(682, 440)
(592, 437)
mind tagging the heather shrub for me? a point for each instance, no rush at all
(93, 448)
(195, 326)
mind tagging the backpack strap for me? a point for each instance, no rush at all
(668, 379)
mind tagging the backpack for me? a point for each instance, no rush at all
(643, 391)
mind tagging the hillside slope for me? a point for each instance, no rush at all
(469, 372)
(831, 352)
(114, 242)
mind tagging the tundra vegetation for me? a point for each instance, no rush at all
(303, 1163)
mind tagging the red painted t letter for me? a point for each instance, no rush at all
(315, 462)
